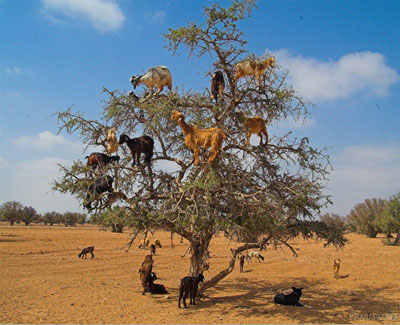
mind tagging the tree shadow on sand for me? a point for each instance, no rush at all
(320, 306)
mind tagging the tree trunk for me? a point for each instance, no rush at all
(396, 240)
(197, 259)
(234, 252)
(371, 232)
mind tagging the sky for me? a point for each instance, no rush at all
(343, 56)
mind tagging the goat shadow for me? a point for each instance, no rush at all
(343, 276)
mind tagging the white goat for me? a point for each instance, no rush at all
(254, 254)
(154, 77)
(253, 68)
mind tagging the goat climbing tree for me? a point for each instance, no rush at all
(255, 195)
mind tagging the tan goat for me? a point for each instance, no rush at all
(254, 125)
(196, 138)
(253, 68)
(112, 141)
(336, 267)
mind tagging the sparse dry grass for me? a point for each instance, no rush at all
(42, 280)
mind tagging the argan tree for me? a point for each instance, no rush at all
(28, 215)
(364, 217)
(258, 195)
(389, 220)
(11, 211)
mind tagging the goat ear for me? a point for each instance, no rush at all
(293, 288)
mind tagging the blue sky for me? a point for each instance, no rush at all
(342, 55)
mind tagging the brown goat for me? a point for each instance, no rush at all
(253, 67)
(144, 243)
(97, 159)
(157, 243)
(145, 274)
(112, 141)
(196, 138)
(254, 125)
(217, 86)
(242, 258)
(137, 146)
(336, 267)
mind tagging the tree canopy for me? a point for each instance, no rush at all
(260, 195)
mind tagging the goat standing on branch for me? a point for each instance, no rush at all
(196, 138)
(253, 68)
(217, 86)
(254, 125)
(143, 144)
(112, 141)
(97, 159)
(154, 77)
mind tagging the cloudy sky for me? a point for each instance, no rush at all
(342, 55)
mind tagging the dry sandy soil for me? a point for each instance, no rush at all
(42, 280)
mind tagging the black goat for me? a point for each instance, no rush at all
(292, 299)
(153, 249)
(143, 144)
(189, 285)
(242, 258)
(97, 159)
(102, 184)
(85, 251)
(217, 86)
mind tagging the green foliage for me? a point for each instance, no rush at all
(364, 217)
(52, 218)
(28, 215)
(248, 192)
(11, 211)
(116, 218)
(389, 220)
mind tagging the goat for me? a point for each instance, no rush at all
(196, 138)
(253, 125)
(252, 67)
(189, 285)
(254, 254)
(137, 146)
(85, 251)
(154, 77)
(97, 159)
(157, 243)
(112, 141)
(336, 267)
(145, 273)
(242, 257)
(291, 299)
(102, 184)
(153, 249)
(144, 243)
(217, 86)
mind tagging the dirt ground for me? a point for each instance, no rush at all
(42, 280)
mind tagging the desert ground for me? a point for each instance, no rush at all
(42, 280)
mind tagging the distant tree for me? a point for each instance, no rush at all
(52, 217)
(389, 220)
(335, 220)
(364, 217)
(28, 215)
(82, 218)
(11, 211)
(115, 218)
(70, 219)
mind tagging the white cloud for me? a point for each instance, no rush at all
(102, 14)
(46, 141)
(362, 172)
(14, 71)
(322, 81)
(156, 17)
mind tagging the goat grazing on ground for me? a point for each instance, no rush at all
(112, 141)
(157, 243)
(196, 138)
(241, 260)
(153, 249)
(144, 243)
(85, 251)
(254, 254)
(253, 68)
(154, 77)
(253, 125)
(97, 159)
(217, 86)
(189, 286)
(102, 184)
(336, 267)
(291, 299)
(137, 146)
